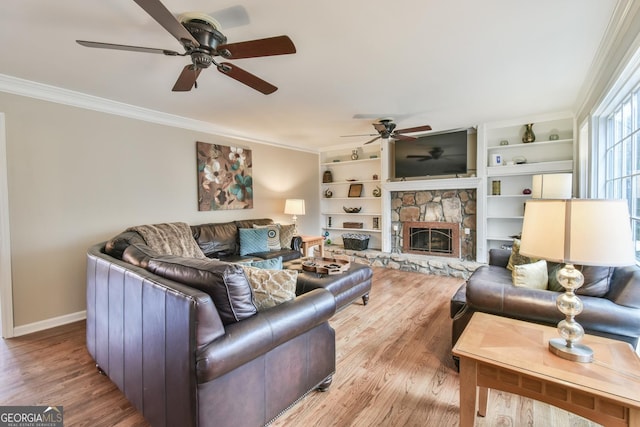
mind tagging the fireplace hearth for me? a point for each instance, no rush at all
(431, 238)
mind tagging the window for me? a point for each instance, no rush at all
(617, 151)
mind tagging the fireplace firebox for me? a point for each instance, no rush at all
(431, 238)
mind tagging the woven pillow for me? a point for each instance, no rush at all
(253, 240)
(287, 231)
(273, 236)
(516, 258)
(532, 275)
(271, 287)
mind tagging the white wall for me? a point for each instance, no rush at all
(77, 177)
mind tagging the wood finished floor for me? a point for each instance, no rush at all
(393, 357)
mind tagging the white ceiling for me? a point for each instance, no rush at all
(447, 63)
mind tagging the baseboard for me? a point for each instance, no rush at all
(49, 323)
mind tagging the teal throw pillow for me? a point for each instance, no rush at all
(253, 240)
(269, 264)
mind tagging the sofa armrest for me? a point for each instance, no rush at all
(624, 288)
(252, 337)
(499, 257)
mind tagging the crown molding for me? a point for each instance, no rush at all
(18, 86)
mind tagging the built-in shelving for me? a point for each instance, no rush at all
(366, 171)
(500, 215)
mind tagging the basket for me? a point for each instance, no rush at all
(355, 242)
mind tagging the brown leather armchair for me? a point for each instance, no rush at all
(615, 315)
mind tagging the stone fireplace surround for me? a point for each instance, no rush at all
(453, 206)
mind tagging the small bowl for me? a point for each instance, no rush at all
(352, 210)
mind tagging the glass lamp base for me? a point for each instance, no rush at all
(576, 353)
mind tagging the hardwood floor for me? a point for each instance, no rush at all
(394, 368)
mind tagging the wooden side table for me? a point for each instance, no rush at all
(311, 241)
(512, 355)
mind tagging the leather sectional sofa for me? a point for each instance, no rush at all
(615, 314)
(180, 359)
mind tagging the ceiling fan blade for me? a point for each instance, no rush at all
(247, 78)
(364, 134)
(126, 47)
(280, 45)
(403, 137)
(187, 79)
(165, 18)
(374, 139)
(415, 129)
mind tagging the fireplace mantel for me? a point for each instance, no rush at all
(433, 184)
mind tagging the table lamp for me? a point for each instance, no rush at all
(294, 207)
(552, 186)
(576, 231)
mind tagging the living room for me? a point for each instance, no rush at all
(80, 169)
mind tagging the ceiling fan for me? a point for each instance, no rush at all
(201, 39)
(387, 129)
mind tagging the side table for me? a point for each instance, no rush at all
(511, 355)
(311, 241)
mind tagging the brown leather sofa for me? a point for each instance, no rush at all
(178, 357)
(616, 314)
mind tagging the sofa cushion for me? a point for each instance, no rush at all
(532, 275)
(271, 287)
(253, 240)
(226, 283)
(217, 240)
(267, 264)
(287, 231)
(273, 236)
(516, 258)
(596, 280)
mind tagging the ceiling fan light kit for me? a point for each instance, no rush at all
(200, 36)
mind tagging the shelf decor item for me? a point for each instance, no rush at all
(377, 192)
(352, 210)
(352, 225)
(327, 176)
(355, 242)
(354, 154)
(328, 193)
(590, 232)
(528, 136)
(355, 190)
(495, 188)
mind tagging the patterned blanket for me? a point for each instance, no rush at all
(170, 239)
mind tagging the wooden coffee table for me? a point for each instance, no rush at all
(511, 355)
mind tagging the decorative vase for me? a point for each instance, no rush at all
(528, 136)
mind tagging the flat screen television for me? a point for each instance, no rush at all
(441, 154)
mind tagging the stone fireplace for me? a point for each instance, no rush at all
(454, 210)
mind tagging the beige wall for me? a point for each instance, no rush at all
(77, 177)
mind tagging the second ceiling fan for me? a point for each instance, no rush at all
(387, 129)
(201, 39)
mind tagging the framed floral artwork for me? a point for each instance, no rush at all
(224, 177)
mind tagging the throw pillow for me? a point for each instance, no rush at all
(287, 231)
(225, 283)
(273, 236)
(596, 280)
(253, 240)
(271, 287)
(268, 264)
(516, 258)
(532, 275)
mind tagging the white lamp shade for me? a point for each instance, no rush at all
(552, 186)
(578, 231)
(294, 207)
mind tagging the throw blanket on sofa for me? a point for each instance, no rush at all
(170, 239)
